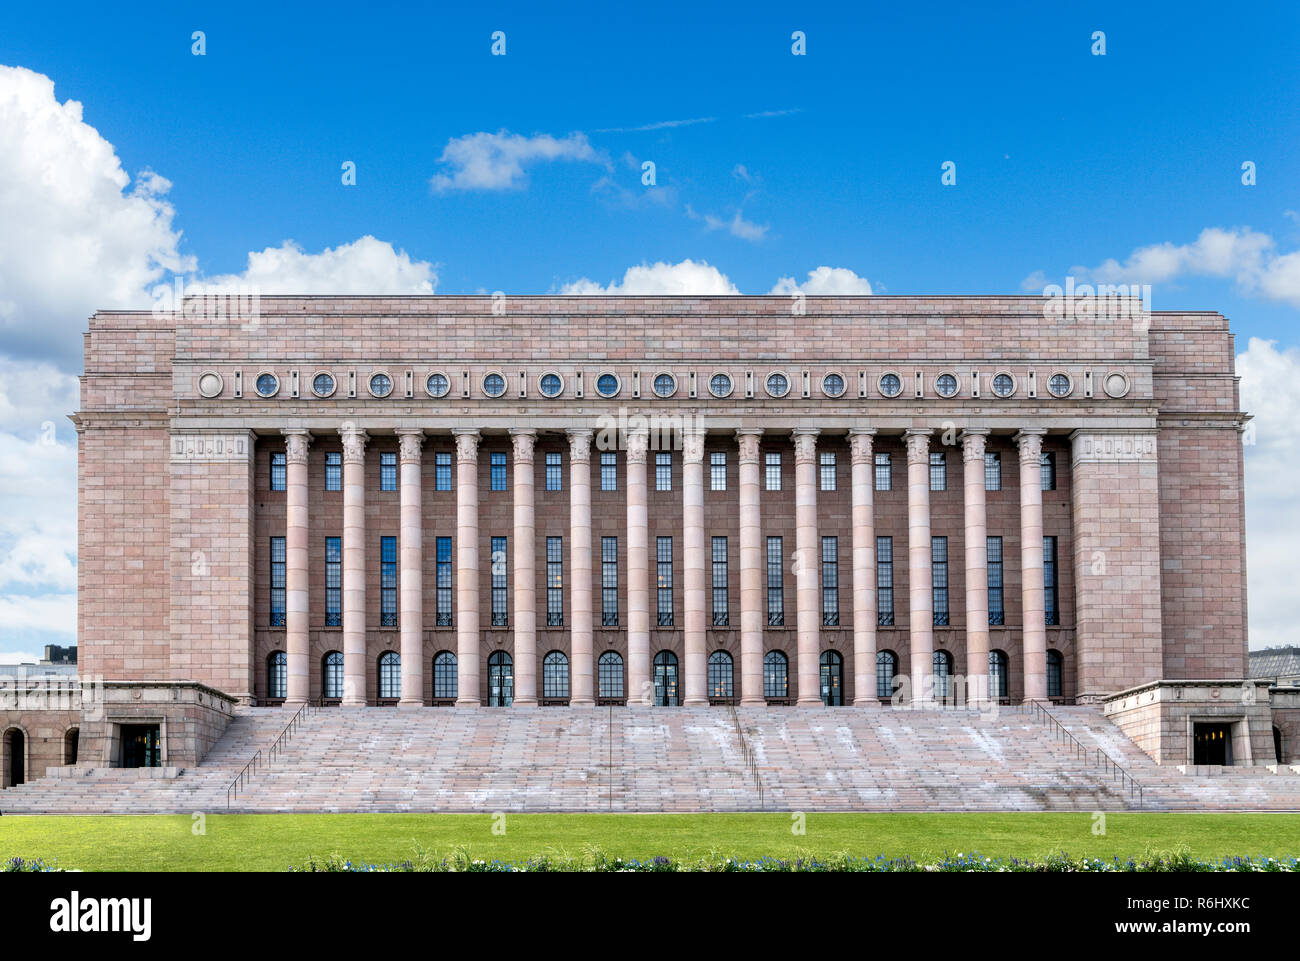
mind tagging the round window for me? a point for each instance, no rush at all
(778, 385)
(720, 385)
(437, 385)
(551, 385)
(323, 384)
(1116, 384)
(267, 384)
(946, 385)
(832, 385)
(494, 385)
(1059, 385)
(381, 385)
(210, 384)
(665, 385)
(1004, 385)
(607, 385)
(891, 385)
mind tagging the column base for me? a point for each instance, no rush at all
(753, 702)
(468, 702)
(294, 701)
(695, 702)
(809, 702)
(410, 704)
(346, 703)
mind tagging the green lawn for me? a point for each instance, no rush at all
(273, 842)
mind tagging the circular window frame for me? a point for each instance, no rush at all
(618, 384)
(1068, 379)
(844, 390)
(334, 380)
(1015, 384)
(266, 373)
(671, 376)
(768, 390)
(443, 375)
(505, 384)
(198, 384)
(370, 380)
(947, 373)
(1105, 384)
(550, 373)
(731, 384)
(880, 384)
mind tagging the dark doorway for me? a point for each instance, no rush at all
(1212, 744)
(141, 746)
(70, 746)
(17, 748)
(832, 666)
(1277, 743)
(665, 679)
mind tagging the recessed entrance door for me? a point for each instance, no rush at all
(1212, 744)
(141, 746)
(832, 679)
(665, 679)
(16, 747)
(501, 680)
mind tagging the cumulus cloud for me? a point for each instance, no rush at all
(365, 266)
(496, 161)
(687, 277)
(825, 281)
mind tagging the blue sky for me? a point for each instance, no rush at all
(1063, 159)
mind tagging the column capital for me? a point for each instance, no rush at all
(354, 442)
(579, 444)
(467, 439)
(1030, 442)
(861, 441)
(748, 438)
(410, 440)
(918, 443)
(296, 441)
(638, 441)
(524, 440)
(973, 441)
(805, 444)
(693, 445)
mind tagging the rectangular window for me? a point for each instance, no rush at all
(938, 471)
(609, 471)
(277, 582)
(277, 472)
(663, 471)
(499, 573)
(992, 471)
(443, 582)
(830, 581)
(497, 471)
(333, 581)
(884, 580)
(609, 581)
(718, 470)
(772, 463)
(827, 471)
(1047, 469)
(883, 481)
(939, 579)
(388, 582)
(997, 613)
(1051, 611)
(721, 610)
(555, 581)
(333, 471)
(554, 472)
(775, 583)
(664, 565)
(388, 471)
(442, 472)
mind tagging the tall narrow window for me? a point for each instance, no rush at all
(938, 471)
(939, 578)
(827, 463)
(883, 475)
(941, 667)
(663, 471)
(1055, 664)
(332, 676)
(390, 675)
(721, 610)
(333, 470)
(609, 475)
(555, 676)
(388, 470)
(388, 581)
(609, 585)
(1051, 611)
(333, 581)
(717, 470)
(884, 580)
(1047, 470)
(554, 473)
(664, 564)
(277, 471)
(277, 582)
(443, 600)
(886, 671)
(992, 471)
(497, 470)
(444, 676)
(830, 581)
(554, 582)
(609, 671)
(999, 666)
(772, 470)
(499, 574)
(775, 583)
(442, 471)
(277, 675)
(721, 677)
(997, 614)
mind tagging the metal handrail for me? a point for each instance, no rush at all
(246, 775)
(1098, 757)
(747, 753)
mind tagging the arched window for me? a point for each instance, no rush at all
(665, 679)
(444, 675)
(70, 740)
(277, 675)
(501, 680)
(832, 678)
(390, 675)
(721, 676)
(998, 674)
(776, 674)
(942, 669)
(555, 676)
(1055, 663)
(332, 675)
(609, 671)
(886, 671)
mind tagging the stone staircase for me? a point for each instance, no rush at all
(661, 759)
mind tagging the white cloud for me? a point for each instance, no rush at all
(737, 226)
(687, 277)
(825, 281)
(496, 161)
(20, 657)
(1270, 390)
(365, 266)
